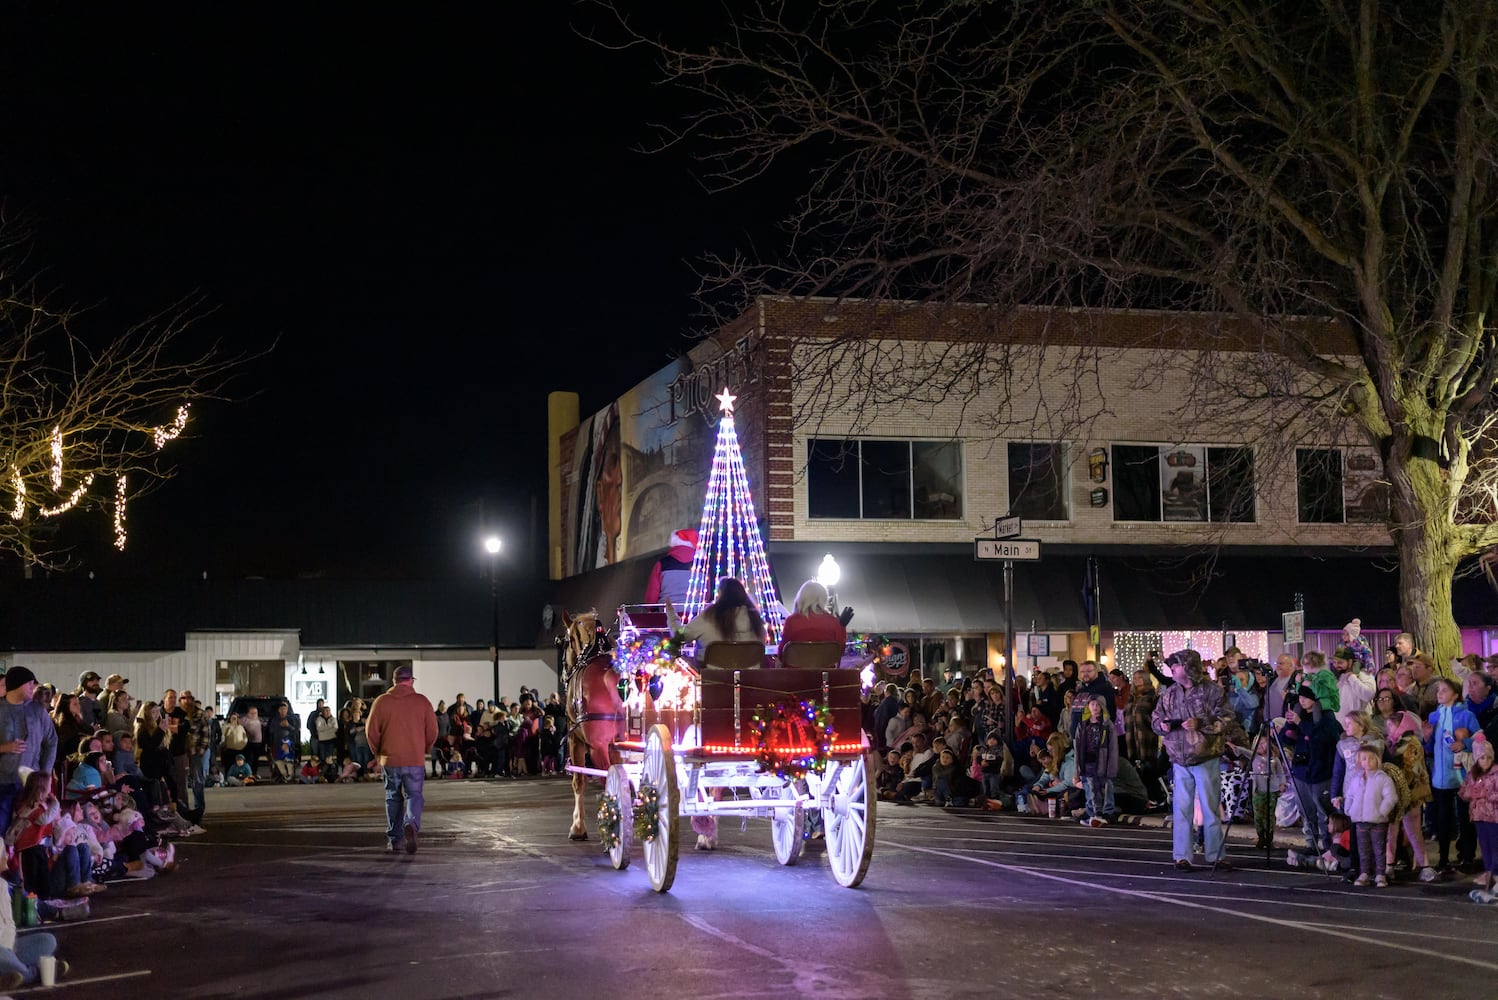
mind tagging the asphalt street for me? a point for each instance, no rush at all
(290, 894)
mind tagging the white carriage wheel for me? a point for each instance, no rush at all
(617, 785)
(659, 769)
(849, 823)
(787, 825)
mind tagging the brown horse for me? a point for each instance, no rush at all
(595, 713)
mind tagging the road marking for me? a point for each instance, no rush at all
(1295, 925)
(81, 982)
(79, 923)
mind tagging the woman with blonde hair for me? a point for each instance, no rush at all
(810, 620)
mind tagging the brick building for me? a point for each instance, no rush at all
(1145, 451)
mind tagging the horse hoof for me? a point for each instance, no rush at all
(578, 835)
(706, 843)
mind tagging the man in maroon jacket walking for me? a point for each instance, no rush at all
(401, 728)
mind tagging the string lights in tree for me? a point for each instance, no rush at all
(728, 541)
(119, 513)
(160, 436)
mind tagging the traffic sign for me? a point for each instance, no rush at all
(1295, 626)
(1008, 550)
(1007, 527)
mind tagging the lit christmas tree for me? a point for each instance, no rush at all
(728, 542)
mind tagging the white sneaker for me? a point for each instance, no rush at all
(1427, 874)
(1292, 858)
(1362, 880)
(1381, 882)
(195, 830)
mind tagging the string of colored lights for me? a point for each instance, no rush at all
(728, 540)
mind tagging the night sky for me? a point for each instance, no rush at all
(434, 217)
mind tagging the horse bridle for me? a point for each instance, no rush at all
(599, 644)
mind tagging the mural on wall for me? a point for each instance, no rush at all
(640, 466)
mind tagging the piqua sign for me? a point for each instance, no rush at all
(896, 666)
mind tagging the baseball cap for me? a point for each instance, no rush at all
(86, 676)
(404, 672)
(116, 677)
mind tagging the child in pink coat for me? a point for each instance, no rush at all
(1480, 791)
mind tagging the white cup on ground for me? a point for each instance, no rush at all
(47, 966)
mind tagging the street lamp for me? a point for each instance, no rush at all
(492, 546)
(828, 573)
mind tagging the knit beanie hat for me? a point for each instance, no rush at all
(1353, 629)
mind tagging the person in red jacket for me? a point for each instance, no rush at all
(810, 621)
(401, 728)
(669, 576)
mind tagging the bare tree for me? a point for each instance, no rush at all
(1257, 161)
(84, 419)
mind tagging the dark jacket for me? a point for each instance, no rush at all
(1097, 750)
(1313, 745)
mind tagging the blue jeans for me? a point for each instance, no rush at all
(1099, 793)
(1196, 783)
(30, 948)
(403, 787)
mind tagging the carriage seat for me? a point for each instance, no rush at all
(769, 687)
(734, 655)
(812, 655)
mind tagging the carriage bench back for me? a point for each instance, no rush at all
(771, 687)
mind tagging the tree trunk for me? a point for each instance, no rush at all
(1428, 558)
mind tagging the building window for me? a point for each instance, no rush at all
(884, 480)
(1340, 486)
(1183, 483)
(1037, 482)
(1318, 485)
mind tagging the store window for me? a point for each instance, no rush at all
(884, 479)
(1037, 482)
(1340, 486)
(1183, 483)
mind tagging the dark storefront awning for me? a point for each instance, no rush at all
(941, 590)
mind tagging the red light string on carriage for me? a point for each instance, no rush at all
(728, 540)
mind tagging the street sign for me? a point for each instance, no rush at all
(1007, 527)
(1008, 550)
(1040, 645)
(1295, 626)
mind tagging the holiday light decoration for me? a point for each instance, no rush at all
(1131, 649)
(728, 541)
(793, 741)
(119, 513)
(170, 433)
(57, 457)
(71, 501)
(19, 485)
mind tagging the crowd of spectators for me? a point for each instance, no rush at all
(1371, 761)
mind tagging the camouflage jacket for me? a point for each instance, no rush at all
(1204, 702)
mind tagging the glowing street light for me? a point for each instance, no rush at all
(492, 546)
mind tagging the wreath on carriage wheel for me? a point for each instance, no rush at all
(792, 741)
(609, 821)
(647, 813)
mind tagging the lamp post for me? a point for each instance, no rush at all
(828, 573)
(491, 546)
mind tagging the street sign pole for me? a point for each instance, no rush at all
(1008, 652)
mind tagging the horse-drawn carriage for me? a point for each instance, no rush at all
(729, 737)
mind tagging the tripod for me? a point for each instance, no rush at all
(1276, 746)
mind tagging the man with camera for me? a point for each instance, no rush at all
(1189, 717)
